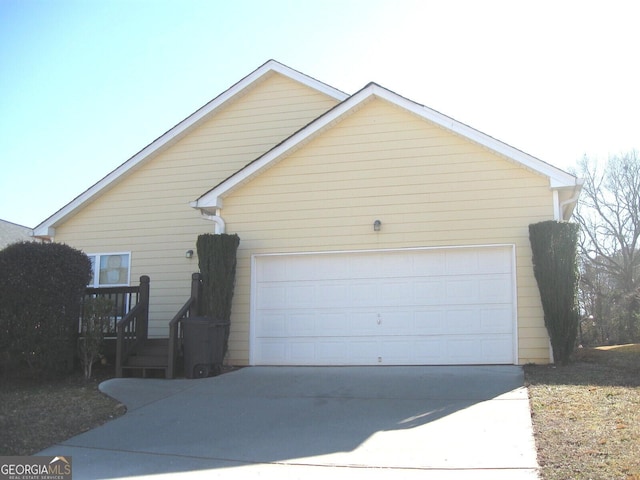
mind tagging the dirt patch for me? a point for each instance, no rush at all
(586, 415)
(35, 414)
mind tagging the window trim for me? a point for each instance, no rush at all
(96, 270)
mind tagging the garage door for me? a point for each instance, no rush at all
(404, 307)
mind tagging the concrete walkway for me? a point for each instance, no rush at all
(316, 422)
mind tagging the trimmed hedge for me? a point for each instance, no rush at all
(555, 265)
(217, 262)
(41, 286)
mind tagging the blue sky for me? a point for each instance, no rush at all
(84, 85)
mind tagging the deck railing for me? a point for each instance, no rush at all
(122, 299)
(189, 309)
(132, 329)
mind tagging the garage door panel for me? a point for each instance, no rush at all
(462, 262)
(495, 260)
(396, 322)
(330, 295)
(497, 349)
(300, 295)
(429, 322)
(272, 324)
(333, 351)
(497, 319)
(361, 292)
(460, 290)
(463, 349)
(444, 306)
(395, 266)
(478, 288)
(270, 296)
(363, 351)
(298, 352)
(460, 321)
(434, 264)
(396, 292)
(330, 323)
(429, 292)
(363, 323)
(301, 324)
(396, 351)
(496, 289)
(272, 351)
(428, 351)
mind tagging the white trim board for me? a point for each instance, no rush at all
(214, 198)
(47, 228)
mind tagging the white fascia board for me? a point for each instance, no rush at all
(214, 198)
(47, 228)
(557, 177)
(306, 80)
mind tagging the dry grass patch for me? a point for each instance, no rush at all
(586, 415)
(37, 414)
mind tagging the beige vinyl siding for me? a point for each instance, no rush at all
(427, 186)
(148, 212)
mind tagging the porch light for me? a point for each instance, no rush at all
(376, 225)
(188, 254)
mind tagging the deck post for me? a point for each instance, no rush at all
(196, 292)
(143, 324)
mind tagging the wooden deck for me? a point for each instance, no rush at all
(135, 353)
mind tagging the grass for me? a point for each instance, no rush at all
(586, 415)
(37, 414)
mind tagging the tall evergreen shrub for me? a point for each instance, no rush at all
(217, 262)
(555, 265)
(41, 286)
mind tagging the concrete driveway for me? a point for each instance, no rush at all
(316, 422)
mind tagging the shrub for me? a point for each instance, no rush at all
(97, 315)
(40, 291)
(217, 262)
(555, 265)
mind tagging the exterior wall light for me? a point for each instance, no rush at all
(377, 225)
(188, 254)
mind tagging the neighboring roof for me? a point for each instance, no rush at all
(47, 227)
(12, 233)
(558, 179)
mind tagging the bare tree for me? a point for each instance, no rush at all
(609, 214)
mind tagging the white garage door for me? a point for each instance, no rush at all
(405, 307)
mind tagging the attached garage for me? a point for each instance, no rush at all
(301, 172)
(430, 306)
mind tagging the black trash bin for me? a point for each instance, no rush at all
(203, 340)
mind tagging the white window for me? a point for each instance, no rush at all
(110, 269)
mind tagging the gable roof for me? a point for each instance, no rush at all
(213, 199)
(47, 227)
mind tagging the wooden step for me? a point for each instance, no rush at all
(152, 356)
(154, 347)
(148, 361)
(146, 371)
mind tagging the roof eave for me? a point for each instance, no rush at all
(213, 198)
(47, 227)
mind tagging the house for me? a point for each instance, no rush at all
(374, 230)
(12, 233)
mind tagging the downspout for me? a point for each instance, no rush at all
(217, 219)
